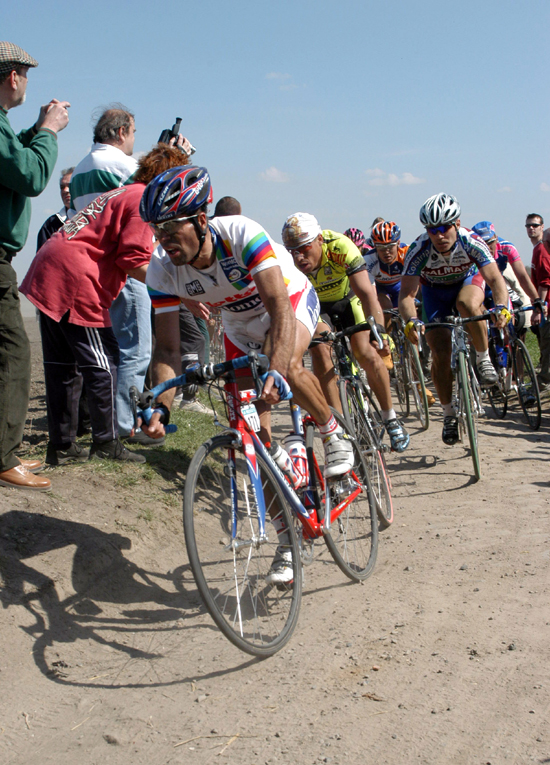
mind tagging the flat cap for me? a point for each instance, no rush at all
(12, 56)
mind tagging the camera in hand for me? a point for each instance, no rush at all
(173, 132)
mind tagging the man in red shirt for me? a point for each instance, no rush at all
(73, 281)
(540, 276)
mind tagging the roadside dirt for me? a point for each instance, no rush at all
(442, 656)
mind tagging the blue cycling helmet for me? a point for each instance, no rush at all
(176, 193)
(485, 229)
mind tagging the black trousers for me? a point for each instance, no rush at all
(15, 366)
(71, 354)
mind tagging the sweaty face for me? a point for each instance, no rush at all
(444, 240)
(387, 252)
(180, 243)
(308, 257)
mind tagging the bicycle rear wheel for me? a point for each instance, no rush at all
(417, 384)
(228, 557)
(468, 410)
(359, 423)
(353, 537)
(528, 388)
(497, 393)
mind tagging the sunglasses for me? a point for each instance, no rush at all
(385, 247)
(439, 229)
(532, 225)
(169, 226)
(303, 250)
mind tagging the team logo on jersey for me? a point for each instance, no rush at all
(327, 269)
(232, 271)
(194, 288)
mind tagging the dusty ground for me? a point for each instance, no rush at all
(442, 656)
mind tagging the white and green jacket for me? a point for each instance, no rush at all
(103, 169)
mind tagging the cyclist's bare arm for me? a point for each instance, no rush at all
(525, 282)
(496, 282)
(272, 290)
(407, 306)
(366, 292)
(166, 363)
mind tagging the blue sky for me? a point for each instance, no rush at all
(348, 110)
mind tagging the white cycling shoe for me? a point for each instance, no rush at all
(339, 457)
(488, 375)
(281, 571)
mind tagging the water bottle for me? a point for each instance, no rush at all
(502, 357)
(282, 460)
(296, 447)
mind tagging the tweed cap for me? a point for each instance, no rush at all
(12, 56)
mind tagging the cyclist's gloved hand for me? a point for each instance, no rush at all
(280, 383)
(415, 324)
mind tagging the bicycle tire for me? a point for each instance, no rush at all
(528, 387)
(497, 393)
(400, 375)
(467, 407)
(353, 537)
(256, 617)
(418, 385)
(359, 424)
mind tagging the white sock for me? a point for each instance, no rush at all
(330, 426)
(448, 410)
(388, 414)
(482, 355)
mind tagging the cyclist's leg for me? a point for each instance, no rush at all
(323, 369)
(469, 302)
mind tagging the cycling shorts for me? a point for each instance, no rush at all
(344, 313)
(438, 302)
(391, 290)
(249, 335)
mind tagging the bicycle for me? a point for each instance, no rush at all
(237, 501)
(409, 377)
(516, 373)
(362, 413)
(467, 391)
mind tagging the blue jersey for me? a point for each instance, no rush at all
(468, 254)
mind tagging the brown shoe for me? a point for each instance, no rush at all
(20, 478)
(33, 466)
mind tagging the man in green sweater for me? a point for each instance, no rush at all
(27, 161)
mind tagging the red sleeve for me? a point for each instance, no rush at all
(135, 242)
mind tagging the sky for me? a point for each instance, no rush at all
(347, 110)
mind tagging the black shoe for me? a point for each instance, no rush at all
(115, 450)
(450, 430)
(74, 453)
(142, 439)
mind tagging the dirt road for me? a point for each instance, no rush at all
(442, 656)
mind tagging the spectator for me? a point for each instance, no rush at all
(55, 221)
(109, 165)
(227, 206)
(27, 163)
(73, 281)
(534, 225)
(540, 275)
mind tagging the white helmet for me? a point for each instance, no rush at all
(439, 210)
(299, 229)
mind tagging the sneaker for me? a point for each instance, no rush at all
(339, 457)
(399, 438)
(450, 430)
(75, 453)
(194, 405)
(115, 450)
(142, 439)
(281, 571)
(486, 372)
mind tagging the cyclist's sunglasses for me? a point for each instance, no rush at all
(169, 226)
(439, 229)
(385, 247)
(303, 250)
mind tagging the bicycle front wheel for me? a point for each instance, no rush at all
(418, 384)
(358, 420)
(229, 557)
(353, 537)
(528, 388)
(468, 411)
